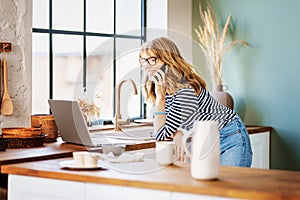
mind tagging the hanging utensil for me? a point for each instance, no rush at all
(0, 82)
(6, 105)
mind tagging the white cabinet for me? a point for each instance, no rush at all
(109, 192)
(260, 143)
(35, 188)
(32, 188)
(185, 196)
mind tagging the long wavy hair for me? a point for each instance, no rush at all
(179, 73)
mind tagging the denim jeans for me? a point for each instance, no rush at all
(235, 147)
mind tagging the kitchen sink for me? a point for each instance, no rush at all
(129, 133)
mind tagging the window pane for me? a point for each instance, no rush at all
(40, 73)
(67, 53)
(40, 14)
(68, 15)
(128, 68)
(100, 73)
(128, 15)
(100, 16)
(67, 67)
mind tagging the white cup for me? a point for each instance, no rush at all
(78, 158)
(85, 159)
(165, 152)
(90, 160)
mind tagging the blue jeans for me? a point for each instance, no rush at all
(235, 147)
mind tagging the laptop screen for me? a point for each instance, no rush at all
(70, 121)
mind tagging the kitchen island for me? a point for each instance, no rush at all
(259, 136)
(48, 180)
(51, 150)
(61, 149)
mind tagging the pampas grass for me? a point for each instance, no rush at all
(213, 42)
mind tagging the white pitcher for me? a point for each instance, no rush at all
(205, 150)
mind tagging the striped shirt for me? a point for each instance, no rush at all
(185, 107)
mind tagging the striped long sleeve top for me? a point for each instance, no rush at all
(185, 107)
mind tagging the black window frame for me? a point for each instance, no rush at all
(84, 34)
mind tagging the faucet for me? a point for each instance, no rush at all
(118, 111)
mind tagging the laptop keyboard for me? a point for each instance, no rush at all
(129, 134)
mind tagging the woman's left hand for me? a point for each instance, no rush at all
(180, 149)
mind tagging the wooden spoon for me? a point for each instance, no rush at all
(0, 81)
(7, 105)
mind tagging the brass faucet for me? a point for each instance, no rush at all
(118, 111)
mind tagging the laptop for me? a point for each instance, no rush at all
(73, 128)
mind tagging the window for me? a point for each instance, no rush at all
(84, 48)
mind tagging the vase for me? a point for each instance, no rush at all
(205, 150)
(223, 97)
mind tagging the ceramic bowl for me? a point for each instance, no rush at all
(3, 143)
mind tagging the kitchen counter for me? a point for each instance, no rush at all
(233, 182)
(252, 129)
(47, 151)
(53, 150)
(60, 149)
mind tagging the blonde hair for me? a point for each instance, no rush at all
(179, 73)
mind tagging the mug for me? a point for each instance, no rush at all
(85, 159)
(165, 152)
(78, 158)
(90, 160)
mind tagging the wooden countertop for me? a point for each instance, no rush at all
(54, 150)
(233, 181)
(60, 149)
(252, 129)
(47, 151)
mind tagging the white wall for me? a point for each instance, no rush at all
(15, 27)
(173, 19)
(180, 16)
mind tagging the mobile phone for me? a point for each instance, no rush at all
(163, 68)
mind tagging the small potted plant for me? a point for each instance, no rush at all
(213, 44)
(90, 111)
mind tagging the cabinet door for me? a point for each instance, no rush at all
(187, 196)
(109, 192)
(33, 188)
(260, 143)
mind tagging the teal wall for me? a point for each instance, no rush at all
(264, 79)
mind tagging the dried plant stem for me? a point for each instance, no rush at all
(213, 43)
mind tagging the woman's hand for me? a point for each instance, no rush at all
(178, 142)
(159, 80)
(181, 151)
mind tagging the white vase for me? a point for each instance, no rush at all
(205, 150)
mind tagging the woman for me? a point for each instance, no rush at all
(180, 97)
